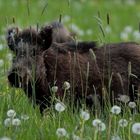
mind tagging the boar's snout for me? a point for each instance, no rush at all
(19, 78)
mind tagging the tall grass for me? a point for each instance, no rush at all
(78, 15)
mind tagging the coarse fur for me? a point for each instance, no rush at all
(109, 70)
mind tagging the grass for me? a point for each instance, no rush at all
(83, 17)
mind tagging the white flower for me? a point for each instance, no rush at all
(66, 85)
(61, 132)
(108, 29)
(16, 122)
(89, 32)
(1, 62)
(66, 18)
(96, 122)
(5, 138)
(123, 122)
(124, 36)
(130, 2)
(11, 113)
(136, 128)
(136, 35)
(8, 122)
(76, 29)
(60, 107)
(132, 104)
(101, 126)
(1, 47)
(124, 98)
(85, 115)
(54, 89)
(24, 117)
(116, 137)
(75, 137)
(128, 29)
(116, 109)
(9, 56)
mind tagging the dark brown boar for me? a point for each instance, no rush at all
(102, 70)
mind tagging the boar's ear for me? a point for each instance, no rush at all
(45, 37)
(11, 36)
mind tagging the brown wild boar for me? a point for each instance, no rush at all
(108, 70)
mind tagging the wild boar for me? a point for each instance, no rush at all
(108, 70)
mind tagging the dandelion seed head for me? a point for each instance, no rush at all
(66, 18)
(136, 35)
(5, 138)
(7, 122)
(60, 107)
(132, 104)
(75, 137)
(16, 122)
(85, 115)
(124, 98)
(101, 126)
(1, 62)
(128, 29)
(89, 32)
(116, 109)
(96, 122)
(66, 85)
(1, 47)
(108, 29)
(124, 36)
(136, 128)
(54, 89)
(61, 132)
(24, 117)
(11, 113)
(123, 122)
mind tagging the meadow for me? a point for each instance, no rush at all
(105, 21)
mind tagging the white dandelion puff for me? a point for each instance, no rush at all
(116, 109)
(16, 122)
(132, 104)
(11, 113)
(61, 132)
(5, 138)
(24, 117)
(54, 89)
(89, 32)
(66, 85)
(1, 62)
(60, 107)
(136, 35)
(124, 98)
(101, 126)
(136, 128)
(108, 29)
(66, 18)
(8, 122)
(128, 29)
(124, 36)
(96, 122)
(123, 122)
(75, 137)
(85, 115)
(9, 56)
(1, 47)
